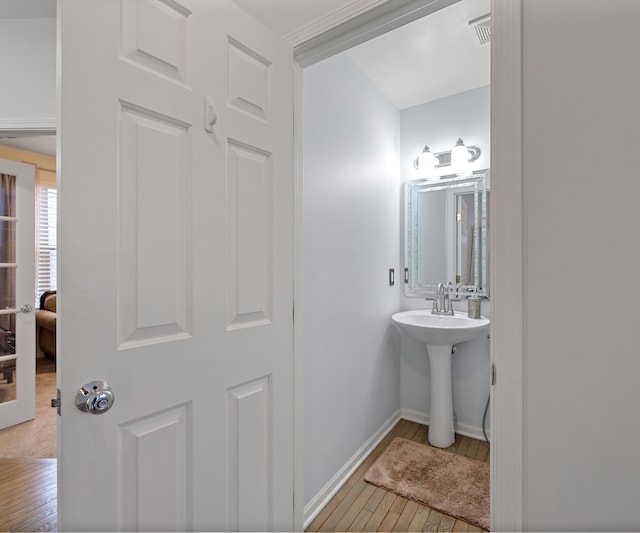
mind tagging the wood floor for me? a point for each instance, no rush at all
(28, 495)
(359, 506)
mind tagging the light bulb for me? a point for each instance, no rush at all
(459, 157)
(426, 163)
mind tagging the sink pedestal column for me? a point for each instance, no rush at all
(441, 433)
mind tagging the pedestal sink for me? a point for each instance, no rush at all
(440, 333)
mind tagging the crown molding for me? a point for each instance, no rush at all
(351, 30)
(19, 127)
(331, 20)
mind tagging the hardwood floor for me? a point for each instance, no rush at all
(28, 468)
(28, 494)
(359, 506)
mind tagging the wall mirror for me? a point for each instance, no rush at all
(447, 235)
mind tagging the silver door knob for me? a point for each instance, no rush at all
(95, 397)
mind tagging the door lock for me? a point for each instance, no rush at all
(95, 397)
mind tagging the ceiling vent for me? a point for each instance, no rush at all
(480, 28)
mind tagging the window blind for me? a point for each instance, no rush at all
(47, 240)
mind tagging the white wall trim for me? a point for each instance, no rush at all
(298, 303)
(332, 486)
(331, 20)
(421, 417)
(507, 262)
(18, 127)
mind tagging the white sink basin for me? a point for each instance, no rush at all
(440, 333)
(440, 330)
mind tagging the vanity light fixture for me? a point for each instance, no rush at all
(429, 164)
(426, 163)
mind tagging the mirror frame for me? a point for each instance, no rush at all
(477, 182)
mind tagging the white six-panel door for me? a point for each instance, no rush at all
(176, 254)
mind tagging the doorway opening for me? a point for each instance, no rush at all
(38, 151)
(362, 129)
(28, 447)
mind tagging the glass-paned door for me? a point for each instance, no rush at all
(17, 326)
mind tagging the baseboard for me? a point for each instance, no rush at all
(414, 416)
(462, 429)
(327, 492)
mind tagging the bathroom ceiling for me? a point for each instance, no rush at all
(427, 59)
(430, 58)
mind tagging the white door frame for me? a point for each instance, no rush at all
(507, 346)
(507, 263)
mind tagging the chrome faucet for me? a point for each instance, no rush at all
(442, 305)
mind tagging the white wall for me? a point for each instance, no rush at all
(581, 195)
(439, 124)
(28, 70)
(351, 239)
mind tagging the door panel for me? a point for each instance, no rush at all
(154, 466)
(153, 227)
(178, 282)
(249, 235)
(17, 286)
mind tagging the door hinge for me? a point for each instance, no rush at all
(55, 402)
(493, 375)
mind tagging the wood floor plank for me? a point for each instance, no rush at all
(483, 452)
(43, 514)
(13, 506)
(16, 487)
(421, 435)
(446, 524)
(407, 516)
(26, 488)
(460, 526)
(355, 508)
(420, 519)
(463, 446)
(10, 514)
(375, 499)
(392, 517)
(380, 512)
(359, 523)
(28, 495)
(433, 521)
(342, 508)
(472, 448)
